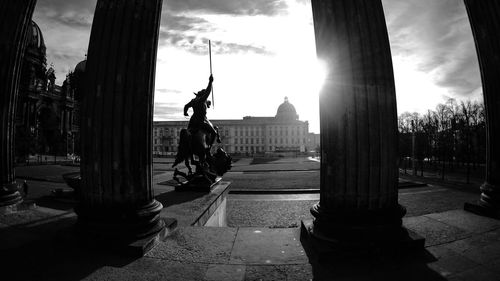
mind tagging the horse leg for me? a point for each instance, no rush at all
(217, 136)
(186, 162)
(177, 161)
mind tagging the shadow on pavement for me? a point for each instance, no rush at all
(48, 251)
(361, 265)
(174, 198)
(56, 203)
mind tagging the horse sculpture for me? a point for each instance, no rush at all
(208, 167)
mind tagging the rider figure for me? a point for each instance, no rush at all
(199, 119)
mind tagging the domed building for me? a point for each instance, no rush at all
(45, 115)
(286, 111)
(279, 135)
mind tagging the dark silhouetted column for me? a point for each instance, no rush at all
(15, 17)
(117, 198)
(358, 120)
(484, 16)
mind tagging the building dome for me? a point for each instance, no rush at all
(80, 67)
(287, 111)
(35, 37)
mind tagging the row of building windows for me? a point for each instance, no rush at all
(271, 140)
(243, 141)
(253, 149)
(273, 131)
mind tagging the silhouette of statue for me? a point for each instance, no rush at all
(199, 120)
(197, 140)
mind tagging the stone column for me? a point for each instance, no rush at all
(15, 18)
(484, 16)
(116, 198)
(358, 124)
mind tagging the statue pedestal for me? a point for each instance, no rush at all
(197, 186)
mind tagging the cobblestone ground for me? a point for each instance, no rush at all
(51, 173)
(274, 180)
(288, 173)
(274, 214)
(289, 213)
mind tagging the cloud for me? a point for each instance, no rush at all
(65, 25)
(182, 23)
(78, 14)
(198, 45)
(168, 91)
(229, 7)
(437, 36)
(168, 111)
(186, 32)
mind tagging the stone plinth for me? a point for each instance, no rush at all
(484, 16)
(15, 17)
(116, 196)
(358, 121)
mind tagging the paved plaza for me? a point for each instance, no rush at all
(262, 239)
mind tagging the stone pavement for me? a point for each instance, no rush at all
(459, 246)
(262, 242)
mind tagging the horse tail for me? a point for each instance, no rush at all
(183, 148)
(184, 142)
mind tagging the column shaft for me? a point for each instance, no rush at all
(15, 17)
(358, 118)
(117, 115)
(484, 16)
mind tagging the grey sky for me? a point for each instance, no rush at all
(431, 38)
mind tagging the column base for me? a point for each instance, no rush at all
(326, 248)
(359, 232)
(488, 204)
(481, 210)
(135, 230)
(10, 195)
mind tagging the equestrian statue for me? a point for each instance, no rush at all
(196, 142)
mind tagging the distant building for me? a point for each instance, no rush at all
(281, 134)
(47, 119)
(313, 142)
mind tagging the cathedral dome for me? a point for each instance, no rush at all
(287, 111)
(80, 67)
(35, 37)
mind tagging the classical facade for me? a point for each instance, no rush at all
(46, 114)
(283, 133)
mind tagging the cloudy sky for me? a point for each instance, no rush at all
(263, 50)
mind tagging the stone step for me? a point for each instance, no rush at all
(110, 273)
(227, 245)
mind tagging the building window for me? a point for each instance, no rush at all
(235, 141)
